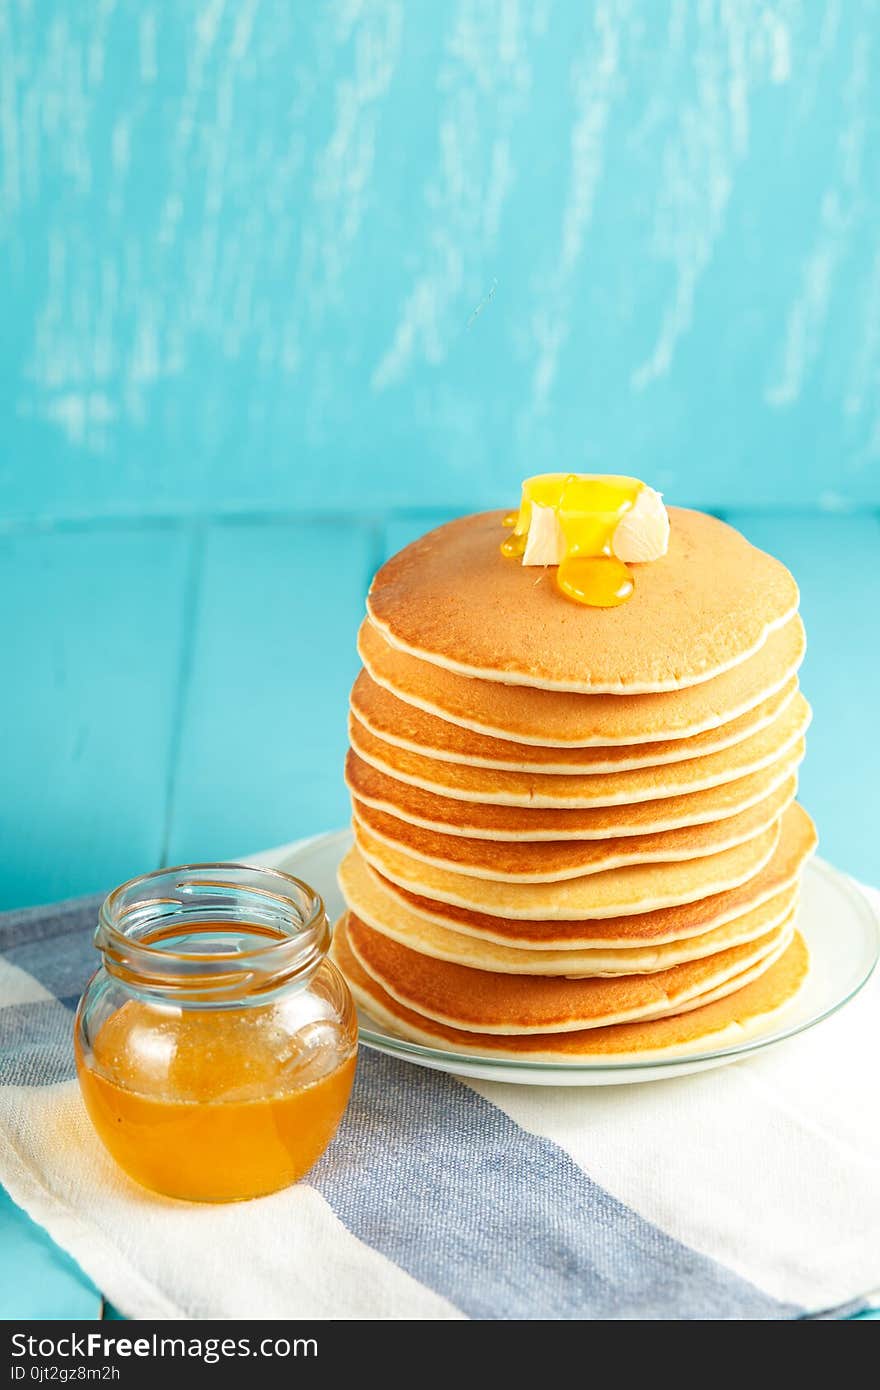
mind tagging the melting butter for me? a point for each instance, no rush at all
(570, 520)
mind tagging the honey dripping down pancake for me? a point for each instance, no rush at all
(797, 841)
(560, 719)
(451, 599)
(405, 726)
(562, 790)
(714, 1024)
(546, 861)
(389, 915)
(523, 823)
(613, 893)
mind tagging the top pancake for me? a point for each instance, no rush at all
(556, 718)
(452, 599)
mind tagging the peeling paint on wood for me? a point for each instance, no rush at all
(241, 247)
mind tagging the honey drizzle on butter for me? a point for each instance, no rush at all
(589, 508)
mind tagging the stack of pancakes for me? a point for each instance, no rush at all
(576, 834)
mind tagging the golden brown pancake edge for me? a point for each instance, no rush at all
(714, 1025)
(451, 598)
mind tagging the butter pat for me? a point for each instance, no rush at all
(590, 527)
(640, 535)
(545, 540)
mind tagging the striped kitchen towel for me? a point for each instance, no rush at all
(748, 1192)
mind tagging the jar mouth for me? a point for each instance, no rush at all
(212, 932)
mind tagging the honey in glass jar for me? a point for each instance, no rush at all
(216, 1044)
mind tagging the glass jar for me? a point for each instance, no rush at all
(216, 1044)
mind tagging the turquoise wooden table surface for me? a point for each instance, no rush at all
(281, 286)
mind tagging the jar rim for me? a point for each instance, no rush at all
(245, 893)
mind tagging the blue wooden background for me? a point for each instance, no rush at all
(280, 285)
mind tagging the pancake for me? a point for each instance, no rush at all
(518, 823)
(797, 841)
(614, 893)
(546, 861)
(451, 599)
(553, 718)
(536, 789)
(388, 914)
(405, 726)
(714, 1025)
(483, 1001)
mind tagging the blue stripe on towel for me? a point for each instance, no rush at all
(36, 1044)
(75, 916)
(62, 964)
(502, 1223)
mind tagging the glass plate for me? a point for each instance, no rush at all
(838, 922)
